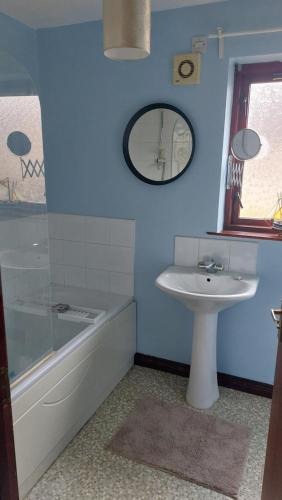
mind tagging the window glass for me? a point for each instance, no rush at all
(262, 178)
(21, 177)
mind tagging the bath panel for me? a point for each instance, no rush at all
(74, 383)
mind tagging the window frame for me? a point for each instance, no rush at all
(244, 76)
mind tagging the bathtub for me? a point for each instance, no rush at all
(57, 397)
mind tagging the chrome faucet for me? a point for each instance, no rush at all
(210, 266)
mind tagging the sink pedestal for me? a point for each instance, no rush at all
(202, 389)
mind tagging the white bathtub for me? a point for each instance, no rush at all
(52, 403)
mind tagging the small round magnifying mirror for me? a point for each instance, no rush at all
(245, 144)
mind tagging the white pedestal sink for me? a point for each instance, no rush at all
(205, 294)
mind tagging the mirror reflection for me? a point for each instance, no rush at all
(159, 144)
(246, 144)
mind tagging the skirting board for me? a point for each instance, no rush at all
(225, 380)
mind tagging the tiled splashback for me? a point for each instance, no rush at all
(92, 252)
(236, 256)
(23, 236)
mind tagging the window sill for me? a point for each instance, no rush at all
(245, 234)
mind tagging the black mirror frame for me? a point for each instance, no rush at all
(127, 133)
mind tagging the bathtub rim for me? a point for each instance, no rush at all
(65, 350)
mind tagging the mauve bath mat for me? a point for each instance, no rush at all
(194, 446)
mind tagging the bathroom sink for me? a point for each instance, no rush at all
(206, 294)
(201, 291)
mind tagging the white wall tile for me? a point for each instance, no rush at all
(72, 227)
(27, 284)
(74, 276)
(40, 223)
(243, 257)
(122, 232)
(110, 258)
(57, 274)
(236, 256)
(122, 284)
(55, 226)
(74, 253)
(218, 250)
(97, 230)
(32, 230)
(9, 234)
(121, 259)
(92, 252)
(186, 251)
(97, 256)
(28, 235)
(98, 280)
(56, 250)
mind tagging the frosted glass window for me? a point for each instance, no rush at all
(262, 178)
(21, 113)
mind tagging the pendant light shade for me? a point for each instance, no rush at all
(127, 29)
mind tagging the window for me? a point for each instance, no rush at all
(21, 175)
(257, 104)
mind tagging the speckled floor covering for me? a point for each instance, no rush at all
(85, 470)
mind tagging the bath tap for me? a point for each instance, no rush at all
(210, 266)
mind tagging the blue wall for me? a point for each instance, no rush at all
(86, 102)
(20, 42)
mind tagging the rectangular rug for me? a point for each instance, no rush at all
(194, 446)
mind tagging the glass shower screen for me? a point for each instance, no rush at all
(24, 256)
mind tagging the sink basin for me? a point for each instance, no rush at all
(201, 291)
(206, 295)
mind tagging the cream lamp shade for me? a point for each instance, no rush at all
(127, 29)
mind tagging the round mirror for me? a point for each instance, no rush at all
(245, 144)
(158, 143)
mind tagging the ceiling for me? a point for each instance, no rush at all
(51, 13)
